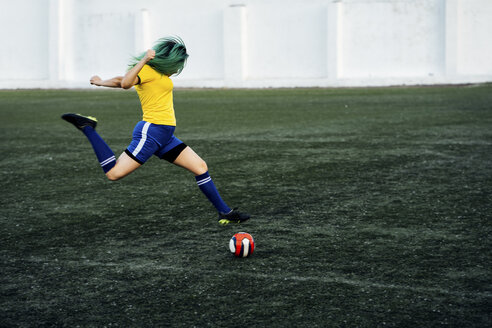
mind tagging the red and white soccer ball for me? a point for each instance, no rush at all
(242, 244)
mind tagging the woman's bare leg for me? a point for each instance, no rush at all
(124, 166)
(190, 160)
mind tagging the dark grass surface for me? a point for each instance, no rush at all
(371, 208)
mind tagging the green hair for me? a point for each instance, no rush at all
(170, 56)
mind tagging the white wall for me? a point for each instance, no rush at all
(24, 53)
(250, 43)
(392, 39)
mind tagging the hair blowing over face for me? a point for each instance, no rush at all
(170, 56)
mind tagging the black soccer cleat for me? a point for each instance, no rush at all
(80, 121)
(233, 217)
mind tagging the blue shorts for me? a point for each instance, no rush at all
(154, 139)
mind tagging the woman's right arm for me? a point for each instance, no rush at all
(131, 77)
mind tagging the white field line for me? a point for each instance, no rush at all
(330, 278)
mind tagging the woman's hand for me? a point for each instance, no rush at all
(96, 80)
(130, 78)
(149, 55)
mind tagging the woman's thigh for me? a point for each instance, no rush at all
(190, 160)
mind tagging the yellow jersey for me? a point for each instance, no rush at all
(156, 96)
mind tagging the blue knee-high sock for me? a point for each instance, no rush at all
(104, 154)
(207, 186)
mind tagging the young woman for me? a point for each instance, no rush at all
(154, 135)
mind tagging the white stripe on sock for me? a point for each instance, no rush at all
(142, 141)
(107, 161)
(203, 181)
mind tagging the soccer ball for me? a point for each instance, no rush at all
(242, 244)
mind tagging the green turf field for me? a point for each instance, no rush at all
(370, 208)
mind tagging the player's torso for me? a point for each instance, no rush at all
(156, 96)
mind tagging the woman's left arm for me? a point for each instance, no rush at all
(115, 82)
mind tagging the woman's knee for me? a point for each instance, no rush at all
(201, 167)
(190, 161)
(124, 166)
(112, 176)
